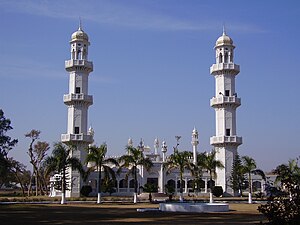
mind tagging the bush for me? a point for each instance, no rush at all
(217, 191)
(86, 190)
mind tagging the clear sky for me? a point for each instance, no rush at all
(151, 71)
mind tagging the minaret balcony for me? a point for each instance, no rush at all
(72, 64)
(221, 100)
(216, 68)
(226, 140)
(69, 99)
(77, 137)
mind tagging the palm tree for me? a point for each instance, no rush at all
(197, 170)
(96, 155)
(181, 161)
(132, 161)
(60, 162)
(249, 167)
(211, 164)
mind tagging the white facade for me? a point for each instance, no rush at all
(78, 102)
(225, 103)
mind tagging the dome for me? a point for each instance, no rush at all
(224, 40)
(79, 35)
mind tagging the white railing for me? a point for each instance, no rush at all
(73, 97)
(225, 99)
(78, 62)
(76, 137)
(226, 139)
(224, 66)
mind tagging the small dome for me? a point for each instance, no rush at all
(224, 40)
(79, 35)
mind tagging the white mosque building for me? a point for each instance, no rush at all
(225, 141)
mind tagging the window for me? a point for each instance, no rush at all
(227, 132)
(227, 92)
(76, 130)
(77, 90)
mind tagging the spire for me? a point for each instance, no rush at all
(224, 30)
(80, 25)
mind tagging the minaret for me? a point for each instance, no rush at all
(225, 103)
(195, 143)
(78, 102)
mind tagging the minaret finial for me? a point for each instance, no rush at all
(224, 30)
(80, 26)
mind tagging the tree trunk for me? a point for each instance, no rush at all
(135, 186)
(63, 187)
(99, 185)
(250, 189)
(181, 188)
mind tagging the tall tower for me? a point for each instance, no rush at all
(78, 102)
(225, 103)
(195, 143)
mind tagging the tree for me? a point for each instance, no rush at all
(134, 159)
(6, 144)
(249, 167)
(279, 209)
(33, 135)
(40, 150)
(237, 178)
(211, 164)
(150, 188)
(59, 162)
(96, 155)
(197, 170)
(181, 161)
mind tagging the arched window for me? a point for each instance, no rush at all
(220, 58)
(226, 57)
(256, 186)
(190, 184)
(79, 54)
(123, 183)
(178, 184)
(171, 183)
(210, 182)
(131, 183)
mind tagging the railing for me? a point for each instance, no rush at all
(224, 66)
(76, 137)
(78, 62)
(226, 139)
(225, 99)
(76, 97)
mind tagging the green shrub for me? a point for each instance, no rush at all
(217, 191)
(86, 190)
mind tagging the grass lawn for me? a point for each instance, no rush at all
(121, 214)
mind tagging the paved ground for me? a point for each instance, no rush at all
(121, 214)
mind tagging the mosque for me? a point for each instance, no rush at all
(225, 142)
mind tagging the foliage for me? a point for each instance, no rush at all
(60, 161)
(217, 191)
(131, 161)
(211, 164)
(6, 143)
(86, 190)
(150, 188)
(108, 186)
(181, 161)
(197, 171)
(170, 190)
(279, 208)
(96, 155)
(237, 178)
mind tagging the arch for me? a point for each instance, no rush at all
(79, 54)
(190, 184)
(178, 183)
(226, 57)
(256, 185)
(220, 58)
(171, 183)
(210, 182)
(123, 183)
(131, 183)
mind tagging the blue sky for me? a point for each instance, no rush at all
(151, 71)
